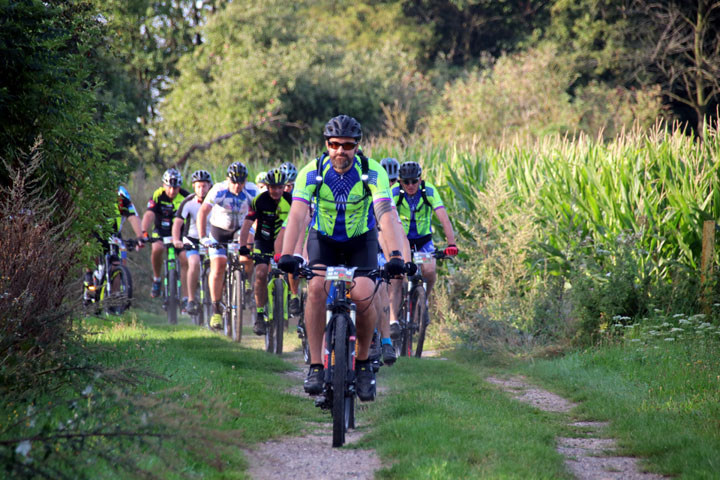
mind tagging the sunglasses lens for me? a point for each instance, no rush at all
(345, 146)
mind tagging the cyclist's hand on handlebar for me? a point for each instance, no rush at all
(244, 251)
(289, 264)
(206, 242)
(451, 250)
(411, 268)
(395, 266)
(178, 244)
(139, 243)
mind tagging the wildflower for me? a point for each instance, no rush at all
(669, 339)
(679, 315)
(24, 448)
(676, 329)
(682, 321)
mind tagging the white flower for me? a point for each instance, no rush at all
(673, 330)
(679, 315)
(682, 321)
(635, 340)
(669, 339)
(24, 448)
(88, 390)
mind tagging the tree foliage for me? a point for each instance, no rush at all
(52, 89)
(284, 58)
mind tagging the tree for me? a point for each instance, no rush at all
(681, 51)
(52, 89)
(463, 30)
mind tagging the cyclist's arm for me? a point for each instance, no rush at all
(177, 231)
(277, 247)
(148, 221)
(388, 224)
(245, 230)
(202, 217)
(135, 224)
(446, 225)
(296, 226)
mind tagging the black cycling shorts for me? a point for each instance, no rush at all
(357, 252)
(266, 248)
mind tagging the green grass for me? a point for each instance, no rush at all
(440, 419)
(198, 365)
(661, 397)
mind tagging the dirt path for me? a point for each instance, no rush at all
(310, 456)
(591, 454)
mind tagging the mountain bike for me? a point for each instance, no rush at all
(204, 310)
(111, 287)
(414, 316)
(233, 292)
(276, 308)
(340, 336)
(171, 279)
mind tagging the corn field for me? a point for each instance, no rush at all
(563, 195)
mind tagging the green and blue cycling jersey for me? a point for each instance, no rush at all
(343, 208)
(415, 212)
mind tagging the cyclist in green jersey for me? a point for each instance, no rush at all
(351, 195)
(269, 209)
(160, 212)
(416, 201)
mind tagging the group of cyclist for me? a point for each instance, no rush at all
(342, 208)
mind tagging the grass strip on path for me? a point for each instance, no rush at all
(662, 399)
(441, 420)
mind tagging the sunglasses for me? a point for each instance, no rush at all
(410, 182)
(344, 145)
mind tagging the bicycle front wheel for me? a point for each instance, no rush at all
(205, 302)
(172, 298)
(419, 313)
(121, 290)
(342, 402)
(279, 313)
(237, 310)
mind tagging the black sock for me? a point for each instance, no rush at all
(317, 365)
(217, 307)
(363, 362)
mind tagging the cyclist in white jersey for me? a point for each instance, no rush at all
(226, 206)
(185, 232)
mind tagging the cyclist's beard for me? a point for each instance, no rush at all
(341, 161)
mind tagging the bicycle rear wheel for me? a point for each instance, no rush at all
(342, 401)
(419, 314)
(408, 331)
(121, 291)
(172, 298)
(278, 314)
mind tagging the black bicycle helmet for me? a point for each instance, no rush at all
(343, 126)
(275, 176)
(391, 166)
(290, 171)
(201, 176)
(410, 170)
(172, 177)
(237, 172)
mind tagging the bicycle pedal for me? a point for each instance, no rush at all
(323, 402)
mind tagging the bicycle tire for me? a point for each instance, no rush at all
(278, 314)
(227, 302)
(172, 300)
(340, 410)
(303, 337)
(206, 302)
(237, 306)
(120, 300)
(419, 318)
(407, 334)
(270, 327)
